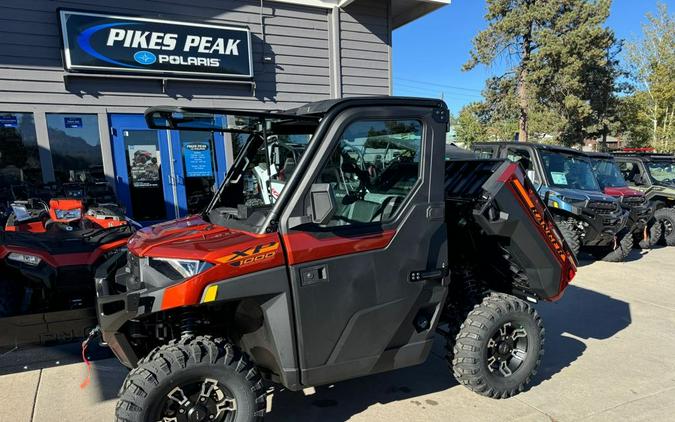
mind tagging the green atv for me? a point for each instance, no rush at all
(653, 174)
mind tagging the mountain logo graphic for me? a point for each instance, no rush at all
(145, 57)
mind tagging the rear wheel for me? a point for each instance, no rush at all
(499, 347)
(193, 379)
(570, 235)
(667, 217)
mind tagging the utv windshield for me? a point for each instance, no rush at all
(267, 147)
(663, 172)
(608, 174)
(569, 171)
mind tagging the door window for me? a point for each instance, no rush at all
(19, 156)
(630, 171)
(145, 175)
(522, 156)
(199, 162)
(75, 146)
(373, 169)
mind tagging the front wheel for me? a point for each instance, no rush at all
(571, 236)
(667, 217)
(193, 379)
(499, 347)
(654, 234)
(617, 252)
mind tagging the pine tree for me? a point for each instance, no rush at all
(559, 53)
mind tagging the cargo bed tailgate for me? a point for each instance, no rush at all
(497, 221)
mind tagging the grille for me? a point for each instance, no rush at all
(634, 201)
(601, 207)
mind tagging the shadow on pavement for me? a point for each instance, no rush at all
(581, 314)
(341, 401)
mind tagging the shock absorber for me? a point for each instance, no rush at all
(188, 322)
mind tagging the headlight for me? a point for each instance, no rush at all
(68, 214)
(178, 269)
(31, 260)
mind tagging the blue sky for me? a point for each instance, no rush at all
(429, 53)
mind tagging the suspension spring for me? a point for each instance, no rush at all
(188, 322)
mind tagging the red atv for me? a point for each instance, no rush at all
(48, 256)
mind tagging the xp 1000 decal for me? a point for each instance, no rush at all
(98, 42)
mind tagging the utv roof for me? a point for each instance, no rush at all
(547, 147)
(645, 155)
(316, 108)
(323, 107)
(600, 155)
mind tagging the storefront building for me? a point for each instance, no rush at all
(76, 76)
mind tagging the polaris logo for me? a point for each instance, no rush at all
(145, 57)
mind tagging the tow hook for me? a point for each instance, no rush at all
(95, 332)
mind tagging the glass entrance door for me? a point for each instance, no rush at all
(162, 175)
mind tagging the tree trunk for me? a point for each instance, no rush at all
(523, 103)
(603, 145)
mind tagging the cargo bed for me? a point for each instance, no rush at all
(499, 229)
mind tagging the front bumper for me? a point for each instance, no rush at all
(602, 225)
(639, 215)
(115, 307)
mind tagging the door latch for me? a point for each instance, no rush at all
(435, 274)
(313, 275)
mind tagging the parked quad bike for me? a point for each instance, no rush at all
(346, 274)
(48, 257)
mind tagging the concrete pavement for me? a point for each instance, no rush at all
(609, 356)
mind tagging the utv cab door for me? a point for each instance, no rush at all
(368, 282)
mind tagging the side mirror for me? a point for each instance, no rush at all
(321, 207)
(638, 180)
(322, 202)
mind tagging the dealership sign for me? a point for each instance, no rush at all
(97, 42)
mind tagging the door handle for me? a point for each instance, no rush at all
(433, 274)
(313, 275)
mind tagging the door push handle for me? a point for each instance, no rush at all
(435, 274)
(313, 275)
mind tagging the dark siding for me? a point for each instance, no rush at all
(290, 68)
(365, 42)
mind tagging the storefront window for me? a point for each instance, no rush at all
(19, 156)
(75, 146)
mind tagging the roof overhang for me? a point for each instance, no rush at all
(402, 11)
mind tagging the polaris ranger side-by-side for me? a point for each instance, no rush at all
(564, 178)
(646, 230)
(374, 244)
(653, 174)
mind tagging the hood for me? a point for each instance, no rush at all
(622, 191)
(582, 195)
(187, 238)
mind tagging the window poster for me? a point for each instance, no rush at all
(198, 161)
(144, 166)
